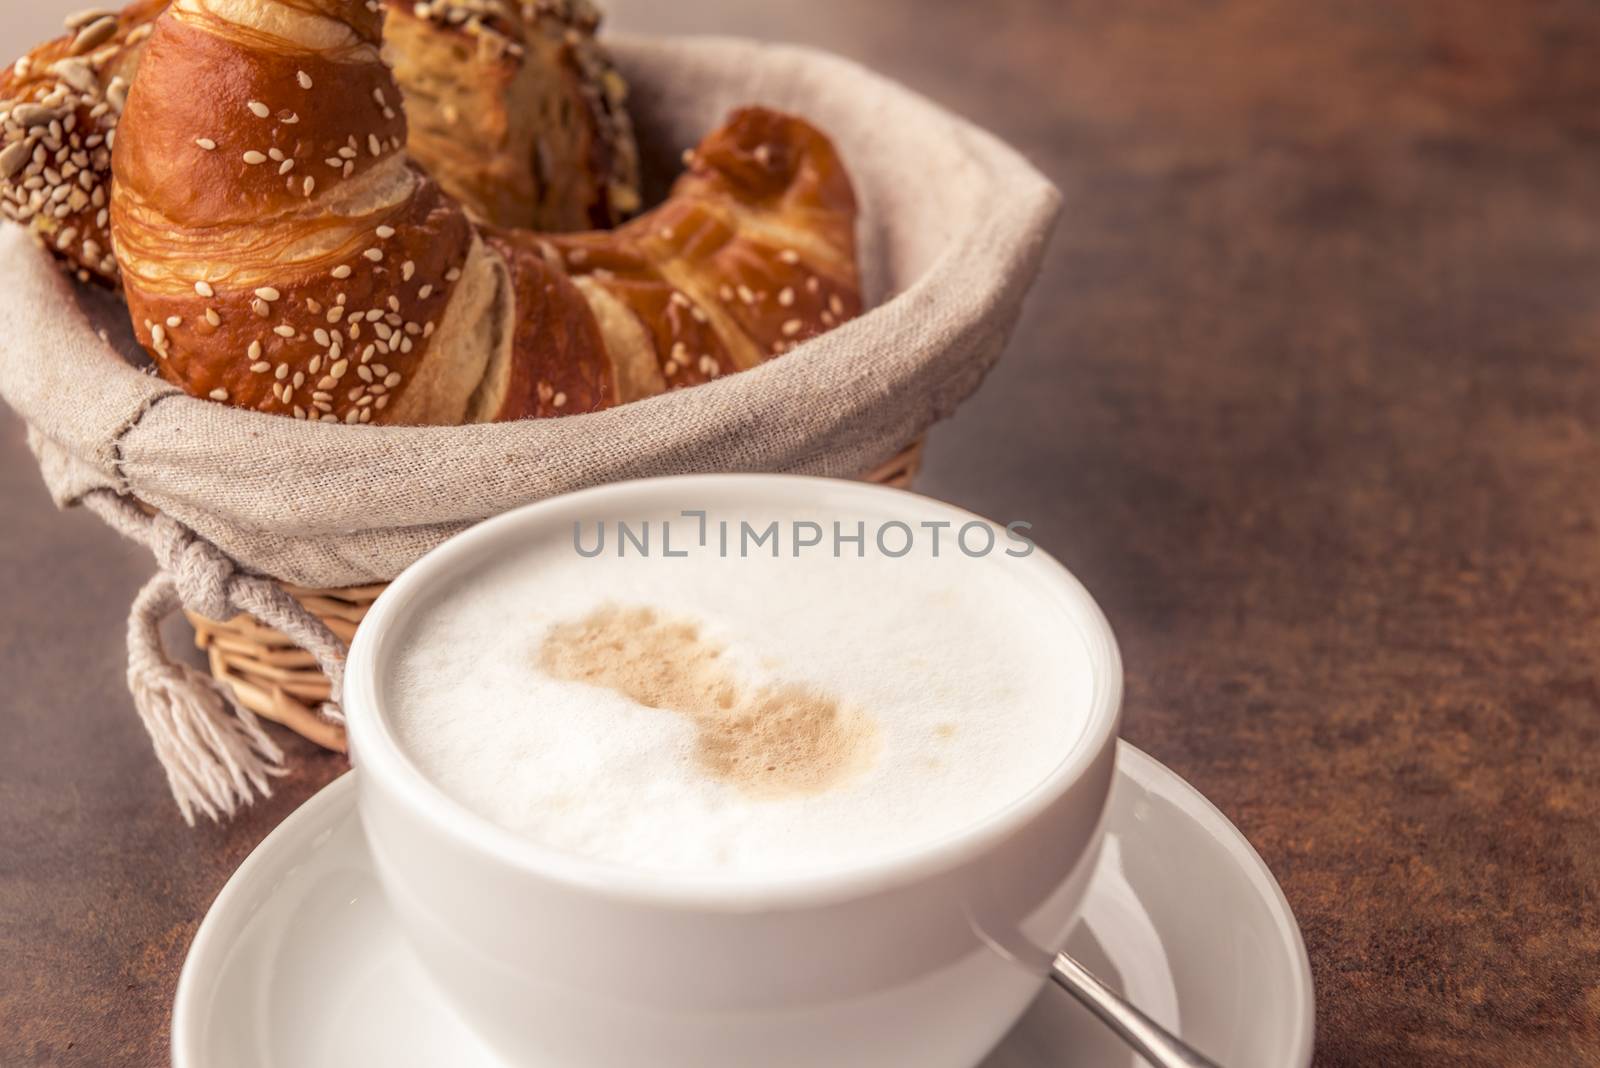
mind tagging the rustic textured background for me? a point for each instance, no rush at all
(1307, 396)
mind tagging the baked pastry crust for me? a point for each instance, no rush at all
(280, 252)
(514, 106)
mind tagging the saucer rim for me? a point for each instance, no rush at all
(1156, 777)
(208, 952)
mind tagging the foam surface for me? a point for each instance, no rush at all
(868, 707)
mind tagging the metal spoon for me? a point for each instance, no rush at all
(1149, 1039)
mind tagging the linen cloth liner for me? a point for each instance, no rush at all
(954, 224)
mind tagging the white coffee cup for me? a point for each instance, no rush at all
(924, 960)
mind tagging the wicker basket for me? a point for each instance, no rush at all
(276, 680)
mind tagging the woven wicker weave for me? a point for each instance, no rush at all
(276, 680)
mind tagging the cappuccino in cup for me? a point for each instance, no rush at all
(725, 770)
(740, 695)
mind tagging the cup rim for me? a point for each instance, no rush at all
(376, 752)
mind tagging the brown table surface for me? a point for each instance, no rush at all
(1306, 395)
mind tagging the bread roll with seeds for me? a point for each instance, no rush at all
(280, 253)
(517, 111)
(59, 107)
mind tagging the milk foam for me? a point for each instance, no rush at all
(974, 689)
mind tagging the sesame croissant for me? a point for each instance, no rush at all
(280, 252)
(514, 107)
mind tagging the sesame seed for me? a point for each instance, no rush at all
(407, 270)
(261, 308)
(288, 165)
(373, 146)
(786, 296)
(392, 379)
(792, 327)
(258, 109)
(425, 292)
(173, 322)
(254, 158)
(254, 352)
(836, 305)
(158, 334)
(341, 272)
(322, 337)
(282, 372)
(76, 21)
(219, 394)
(274, 154)
(373, 254)
(352, 415)
(204, 289)
(267, 293)
(299, 379)
(212, 317)
(304, 79)
(338, 369)
(310, 184)
(94, 35)
(260, 367)
(385, 232)
(789, 256)
(283, 330)
(206, 143)
(558, 401)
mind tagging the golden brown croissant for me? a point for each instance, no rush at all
(280, 253)
(515, 110)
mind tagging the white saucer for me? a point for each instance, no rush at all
(298, 965)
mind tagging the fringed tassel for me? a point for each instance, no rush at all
(216, 755)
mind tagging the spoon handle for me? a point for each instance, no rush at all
(1152, 1041)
